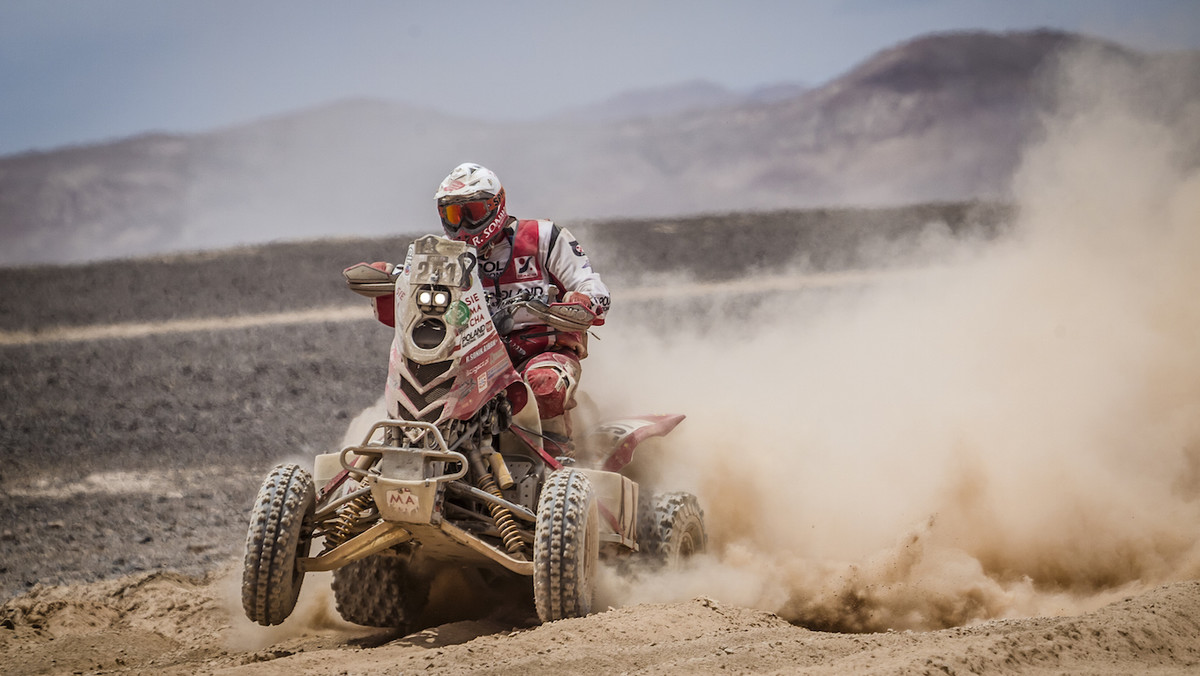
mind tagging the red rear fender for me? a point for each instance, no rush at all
(616, 440)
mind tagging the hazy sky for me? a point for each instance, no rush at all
(79, 71)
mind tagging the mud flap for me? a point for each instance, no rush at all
(617, 499)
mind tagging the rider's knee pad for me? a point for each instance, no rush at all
(551, 390)
(553, 377)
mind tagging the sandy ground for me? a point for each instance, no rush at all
(165, 623)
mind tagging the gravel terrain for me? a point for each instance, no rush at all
(139, 454)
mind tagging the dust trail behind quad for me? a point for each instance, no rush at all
(1016, 434)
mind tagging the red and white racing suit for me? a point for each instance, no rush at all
(530, 257)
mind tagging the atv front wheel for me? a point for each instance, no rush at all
(566, 547)
(670, 529)
(380, 591)
(277, 537)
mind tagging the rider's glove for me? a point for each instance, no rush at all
(577, 298)
(572, 313)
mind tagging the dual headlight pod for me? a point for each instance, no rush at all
(433, 300)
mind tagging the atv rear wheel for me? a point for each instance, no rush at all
(566, 547)
(670, 529)
(277, 537)
(380, 591)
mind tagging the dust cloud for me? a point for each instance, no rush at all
(1013, 434)
(315, 614)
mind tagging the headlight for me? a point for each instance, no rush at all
(433, 300)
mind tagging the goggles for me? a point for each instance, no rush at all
(468, 215)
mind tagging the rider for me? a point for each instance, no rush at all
(526, 257)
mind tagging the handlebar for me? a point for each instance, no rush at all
(560, 316)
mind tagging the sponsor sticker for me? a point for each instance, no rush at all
(403, 500)
(458, 314)
(526, 269)
(491, 269)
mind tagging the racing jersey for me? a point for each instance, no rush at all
(532, 256)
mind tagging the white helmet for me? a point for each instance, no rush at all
(471, 205)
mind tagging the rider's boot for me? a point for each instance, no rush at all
(557, 431)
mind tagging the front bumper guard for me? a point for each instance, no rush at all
(410, 507)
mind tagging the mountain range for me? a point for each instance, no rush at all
(942, 117)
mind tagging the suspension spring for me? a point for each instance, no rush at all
(505, 522)
(339, 530)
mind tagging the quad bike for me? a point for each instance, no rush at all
(453, 478)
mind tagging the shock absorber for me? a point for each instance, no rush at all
(505, 522)
(340, 529)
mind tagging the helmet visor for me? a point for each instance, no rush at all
(467, 215)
